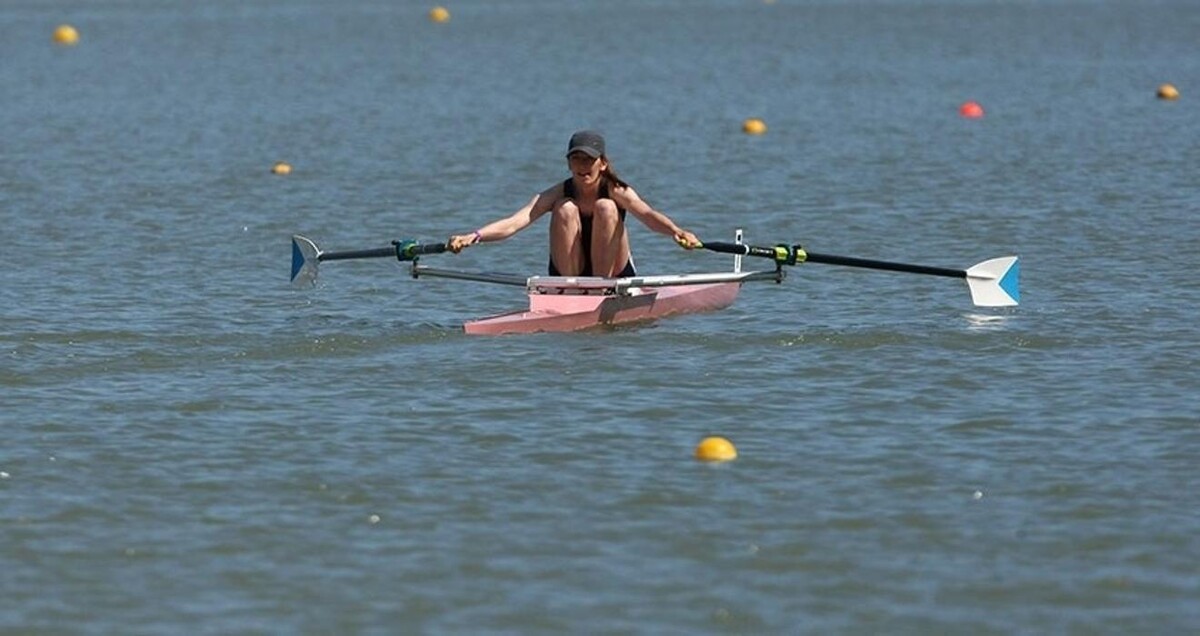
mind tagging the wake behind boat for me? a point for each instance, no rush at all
(573, 303)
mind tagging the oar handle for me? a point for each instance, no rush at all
(781, 254)
(736, 248)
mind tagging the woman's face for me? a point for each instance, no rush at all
(585, 168)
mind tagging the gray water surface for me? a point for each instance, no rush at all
(192, 446)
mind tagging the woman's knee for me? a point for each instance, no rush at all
(565, 210)
(606, 212)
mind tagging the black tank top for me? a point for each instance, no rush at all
(585, 231)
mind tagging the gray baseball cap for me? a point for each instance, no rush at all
(589, 142)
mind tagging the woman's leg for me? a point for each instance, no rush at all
(610, 246)
(566, 244)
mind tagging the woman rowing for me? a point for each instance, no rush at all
(587, 220)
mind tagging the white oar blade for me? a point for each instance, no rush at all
(305, 258)
(995, 282)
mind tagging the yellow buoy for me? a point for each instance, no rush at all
(282, 168)
(1167, 91)
(439, 14)
(754, 126)
(66, 34)
(716, 449)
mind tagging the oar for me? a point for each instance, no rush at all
(306, 256)
(993, 283)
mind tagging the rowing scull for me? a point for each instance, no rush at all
(573, 303)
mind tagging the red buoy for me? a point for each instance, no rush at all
(971, 110)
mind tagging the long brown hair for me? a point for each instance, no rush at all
(611, 175)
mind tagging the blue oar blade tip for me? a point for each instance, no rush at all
(305, 257)
(1011, 281)
(297, 259)
(995, 282)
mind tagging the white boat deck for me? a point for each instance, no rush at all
(597, 285)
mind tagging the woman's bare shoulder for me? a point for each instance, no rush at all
(546, 199)
(624, 194)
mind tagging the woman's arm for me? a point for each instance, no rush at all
(501, 229)
(628, 199)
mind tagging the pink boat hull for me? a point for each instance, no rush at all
(572, 312)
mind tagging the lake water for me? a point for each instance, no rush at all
(192, 446)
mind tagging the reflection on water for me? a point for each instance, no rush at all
(989, 322)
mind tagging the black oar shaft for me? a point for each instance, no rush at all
(850, 261)
(420, 249)
(403, 250)
(794, 254)
(379, 252)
